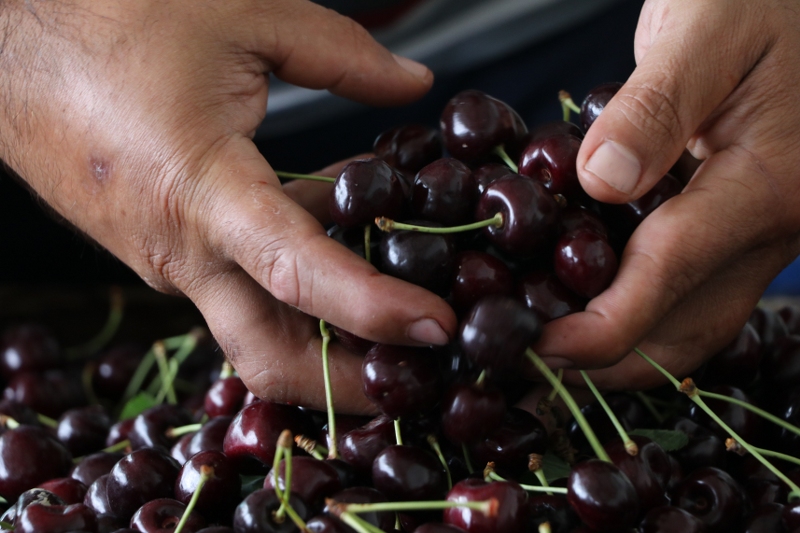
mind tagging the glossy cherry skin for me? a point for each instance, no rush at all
(95, 465)
(407, 473)
(714, 497)
(359, 447)
(39, 518)
(149, 427)
(119, 432)
(424, 259)
(488, 173)
(544, 294)
(49, 393)
(444, 192)
(70, 490)
(649, 470)
(220, 494)
(478, 274)
(596, 101)
(254, 514)
(509, 446)
(163, 515)
(83, 430)
(19, 412)
(252, 436)
(408, 148)
(585, 263)
(144, 475)
(791, 516)
(530, 214)
(28, 497)
(327, 524)
(30, 456)
(401, 380)
(114, 368)
(28, 348)
(789, 440)
(366, 189)
(225, 397)
(312, 480)
(497, 332)
(471, 412)
(551, 161)
(97, 498)
(575, 218)
(510, 516)
(668, 519)
(553, 509)
(602, 495)
(627, 217)
(704, 448)
(766, 519)
(209, 437)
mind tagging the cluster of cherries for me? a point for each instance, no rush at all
(448, 453)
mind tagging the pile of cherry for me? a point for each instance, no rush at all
(168, 439)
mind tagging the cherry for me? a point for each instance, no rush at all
(529, 211)
(382, 520)
(225, 397)
(510, 513)
(407, 473)
(790, 314)
(255, 513)
(97, 497)
(770, 328)
(714, 497)
(553, 509)
(596, 100)
(209, 437)
(497, 331)
(163, 515)
(649, 470)
(510, 445)
(766, 519)
(551, 161)
(114, 368)
(555, 127)
(312, 480)
(630, 412)
(216, 529)
(39, 518)
(365, 189)
(478, 274)
(782, 367)
(704, 448)
(19, 412)
(30, 456)
(667, 519)
(350, 341)
(585, 263)
(359, 447)
(49, 393)
(488, 173)
(83, 430)
(788, 440)
(409, 148)
(70, 490)
(602, 495)
(28, 348)
(470, 412)
(444, 192)
(737, 364)
(93, 466)
(635, 212)
(576, 218)
(150, 427)
(180, 450)
(137, 478)
(424, 259)
(745, 423)
(327, 524)
(28, 497)
(221, 492)
(791, 516)
(119, 432)
(432, 527)
(544, 294)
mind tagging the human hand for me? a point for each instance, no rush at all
(719, 77)
(134, 121)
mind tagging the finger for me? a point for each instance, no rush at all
(282, 247)
(317, 48)
(277, 350)
(673, 252)
(695, 57)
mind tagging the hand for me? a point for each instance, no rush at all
(719, 77)
(134, 121)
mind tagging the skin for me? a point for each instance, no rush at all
(134, 121)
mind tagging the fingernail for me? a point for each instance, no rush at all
(554, 363)
(427, 331)
(616, 165)
(418, 70)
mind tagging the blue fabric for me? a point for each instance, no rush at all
(787, 283)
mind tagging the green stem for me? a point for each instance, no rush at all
(658, 367)
(227, 370)
(46, 421)
(438, 451)
(484, 506)
(530, 488)
(760, 412)
(539, 473)
(571, 404)
(733, 446)
(8, 422)
(333, 453)
(311, 447)
(398, 435)
(358, 523)
(168, 370)
(387, 224)
(630, 446)
(139, 375)
(500, 151)
(183, 430)
(284, 451)
(206, 472)
(367, 239)
(310, 177)
(567, 104)
(553, 393)
(481, 378)
(109, 329)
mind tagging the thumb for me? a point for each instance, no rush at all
(691, 62)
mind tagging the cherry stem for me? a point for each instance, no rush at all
(226, 371)
(311, 447)
(539, 473)
(465, 452)
(571, 404)
(284, 451)
(333, 453)
(139, 375)
(438, 451)
(46, 421)
(182, 430)
(206, 471)
(309, 177)
(732, 445)
(165, 372)
(367, 238)
(690, 390)
(494, 476)
(647, 401)
(552, 396)
(481, 378)
(487, 507)
(387, 224)
(358, 523)
(109, 329)
(567, 104)
(398, 435)
(760, 412)
(8, 422)
(630, 446)
(500, 151)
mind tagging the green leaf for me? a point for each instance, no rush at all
(554, 467)
(669, 439)
(137, 404)
(251, 484)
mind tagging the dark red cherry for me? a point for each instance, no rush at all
(220, 494)
(470, 412)
(144, 475)
(714, 497)
(627, 217)
(45, 497)
(407, 473)
(225, 397)
(40, 518)
(575, 218)
(667, 519)
(359, 447)
(327, 524)
(497, 331)
(487, 174)
(510, 513)
(602, 496)
(551, 161)
(19, 412)
(209, 437)
(555, 127)
(93, 466)
(150, 427)
(585, 263)
(49, 393)
(70, 490)
(255, 513)
(30, 456)
(28, 348)
(766, 519)
(738, 363)
(649, 470)
(553, 509)
(704, 447)
(790, 441)
(629, 411)
(770, 328)
(114, 368)
(401, 380)
(83, 430)
(180, 450)
(409, 148)
(544, 294)
(424, 259)
(744, 422)
(596, 101)
(530, 214)
(510, 445)
(791, 516)
(216, 529)
(366, 189)
(382, 520)
(444, 192)
(353, 240)
(312, 480)
(119, 432)
(790, 314)
(478, 274)
(97, 498)
(163, 515)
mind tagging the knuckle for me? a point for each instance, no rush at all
(277, 269)
(653, 109)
